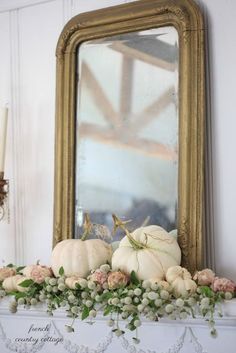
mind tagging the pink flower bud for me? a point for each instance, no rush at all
(99, 277)
(117, 279)
(204, 277)
(223, 285)
(38, 273)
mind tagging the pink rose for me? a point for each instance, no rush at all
(204, 277)
(6, 272)
(117, 279)
(38, 273)
(223, 285)
(98, 276)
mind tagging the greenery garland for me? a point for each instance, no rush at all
(130, 302)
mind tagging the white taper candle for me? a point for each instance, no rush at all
(3, 135)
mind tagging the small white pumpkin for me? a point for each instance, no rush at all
(80, 257)
(6, 272)
(149, 251)
(11, 284)
(72, 281)
(181, 281)
(161, 283)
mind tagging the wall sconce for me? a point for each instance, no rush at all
(4, 188)
(4, 185)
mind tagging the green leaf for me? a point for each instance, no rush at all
(106, 296)
(135, 317)
(69, 328)
(132, 328)
(85, 313)
(61, 271)
(12, 293)
(134, 279)
(136, 340)
(20, 295)
(57, 301)
(10, 265)
(26, 283)
(214, 333)
(20, 268)
(78, 286)
(32, 290)
(192, 313)
(207, 291)
(107, 311)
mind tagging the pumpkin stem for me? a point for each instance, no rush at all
(145, 222)
(87, 227)
(118, 223)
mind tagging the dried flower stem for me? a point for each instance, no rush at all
(119, 224)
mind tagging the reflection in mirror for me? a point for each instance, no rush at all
(127, 129)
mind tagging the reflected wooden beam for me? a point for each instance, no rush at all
(99, 96)
(143, 56)
(153, 111)
(119, 139)
(126, 88)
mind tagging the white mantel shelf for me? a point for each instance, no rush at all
(39, 311)
(165, 336)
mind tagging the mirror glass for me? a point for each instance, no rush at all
(127, 129)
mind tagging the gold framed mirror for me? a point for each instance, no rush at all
(149, 119)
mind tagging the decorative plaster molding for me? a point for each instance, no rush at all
(175, 348)
(74, 348)
(101, 347)
(21, 347)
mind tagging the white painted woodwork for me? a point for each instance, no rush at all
(29, 30)
(7, 231)
(222, 58)
(166, 336)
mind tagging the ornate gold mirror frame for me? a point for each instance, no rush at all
(185, 16)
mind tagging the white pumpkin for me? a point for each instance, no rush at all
(161, 283)
(72, 281)
(80, 257)
(11, 284)
(158, 252)
(181, 281)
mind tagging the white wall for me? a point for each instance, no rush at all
(222, 54)
(28, 37)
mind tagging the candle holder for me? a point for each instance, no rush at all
(4, 188)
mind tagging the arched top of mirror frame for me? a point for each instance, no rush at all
(186, 17)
